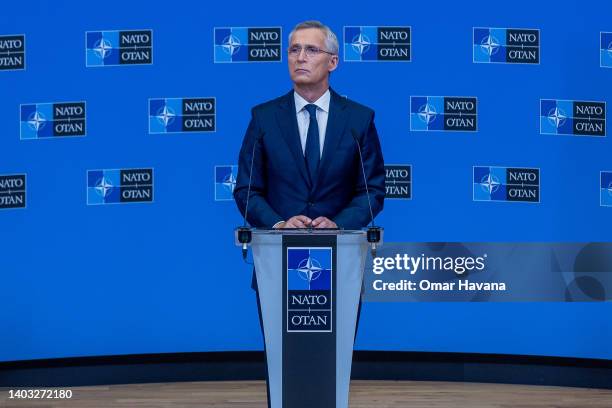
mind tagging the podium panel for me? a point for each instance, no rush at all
(309, 287)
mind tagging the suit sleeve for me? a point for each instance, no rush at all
(356, 214)
(260, 214)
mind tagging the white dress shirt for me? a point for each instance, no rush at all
(303, 118)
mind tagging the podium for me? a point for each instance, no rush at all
(309, 285)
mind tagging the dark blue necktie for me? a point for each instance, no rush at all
(312, 150)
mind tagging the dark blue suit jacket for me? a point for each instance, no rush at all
(281, 187)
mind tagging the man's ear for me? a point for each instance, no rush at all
(333, 63)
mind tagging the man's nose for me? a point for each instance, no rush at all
(302, 54)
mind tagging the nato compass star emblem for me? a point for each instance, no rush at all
(230, 45)
(309, 269)
(37, 121)
(490, 183)
(361, 43)
(103, 48)
(165, 115)
(490, 45)
(427, 113)
(229, 182)
(103, 186)
(557, 117)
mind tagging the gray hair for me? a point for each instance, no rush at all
(331, 41)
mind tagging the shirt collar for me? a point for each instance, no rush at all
(322, 103)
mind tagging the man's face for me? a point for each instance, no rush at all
(305, 70)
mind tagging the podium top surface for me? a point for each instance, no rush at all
(306, 231)
(263, 236)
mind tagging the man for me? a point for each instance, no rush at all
(306, 167)
(303, 150)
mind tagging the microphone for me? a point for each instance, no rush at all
(373, 234)
(244, 233)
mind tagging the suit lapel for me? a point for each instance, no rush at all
(287, 120)
(336, 122)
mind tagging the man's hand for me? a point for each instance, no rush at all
(323, 222)
(298, 221)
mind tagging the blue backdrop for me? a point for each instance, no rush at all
(160, 277)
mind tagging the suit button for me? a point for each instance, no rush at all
(310, 203)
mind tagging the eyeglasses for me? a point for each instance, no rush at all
(309, 50)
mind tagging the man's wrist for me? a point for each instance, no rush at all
(278, 224)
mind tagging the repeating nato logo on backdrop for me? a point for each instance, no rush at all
(398, 181)
(119, 186)
(506, 184)
(506, 45)
(247, 44)
(55, 119)
(12, 191)
(12, 52)
(225, 182)
(121, 47)
(605, 50)
(309, 286)
(377, 43)
(443, 113)
(605, 189)
(178, 115)
(580, 118)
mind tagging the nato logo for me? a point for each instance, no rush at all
(605, 189)
(225, 182)
(178, 115)
(309, 286)
(377, 43)
(12, 191)
(580, 118)
(506, 45)
(443, 113)
(12, 52)
(605, 50)
(46, 120)
(119, 186)
(110, 48)
(506, 184)
(247, 44)
(398, 181)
